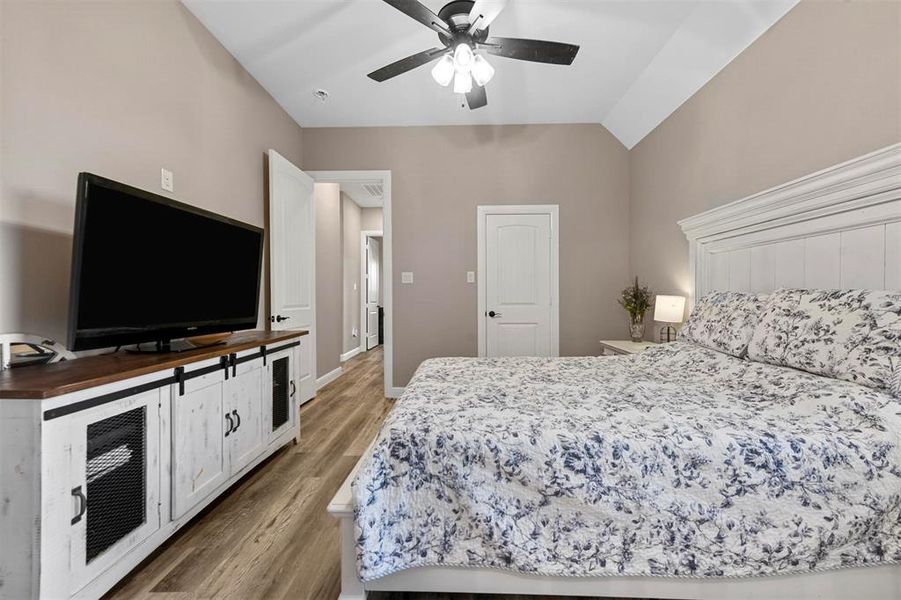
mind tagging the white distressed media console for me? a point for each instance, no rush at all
(104, 458)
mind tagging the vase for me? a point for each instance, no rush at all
(636, 330)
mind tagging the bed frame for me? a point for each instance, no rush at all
(840, 227)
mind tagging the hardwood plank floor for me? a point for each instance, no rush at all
(269, 536)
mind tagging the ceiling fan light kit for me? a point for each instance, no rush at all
(463, 57)
(462, 28)
(443, 71)
(462, 82)
(482, 71)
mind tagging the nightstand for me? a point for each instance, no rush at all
(614, 347)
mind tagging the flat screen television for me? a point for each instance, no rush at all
(146, 268)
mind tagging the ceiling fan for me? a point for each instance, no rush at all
(462, 27)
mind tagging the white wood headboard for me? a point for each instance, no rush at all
(837, 228)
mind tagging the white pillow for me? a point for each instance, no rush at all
(853, 335)
(724, 321)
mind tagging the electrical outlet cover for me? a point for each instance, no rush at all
(166, 180)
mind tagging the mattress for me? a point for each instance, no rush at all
(679, 461)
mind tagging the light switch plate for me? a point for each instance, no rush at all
(166, 180)
(470, 276)
(406, 277)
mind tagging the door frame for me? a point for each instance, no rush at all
(387, 292)
(482, 212)
(366, 233)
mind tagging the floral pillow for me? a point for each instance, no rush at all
(724, 321)
(853, 335)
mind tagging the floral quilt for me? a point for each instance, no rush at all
(680, 461)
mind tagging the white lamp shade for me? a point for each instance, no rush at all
(482, 71)
(669, 309)
(462, 82)
(443, 72)
(463, 57)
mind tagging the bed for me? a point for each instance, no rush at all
(683, 471)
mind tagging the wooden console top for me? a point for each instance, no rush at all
(46, 381)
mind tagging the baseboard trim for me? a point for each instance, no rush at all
(395, 392)
(350, 354)
(329, 377)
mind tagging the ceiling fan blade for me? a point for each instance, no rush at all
(418, 11)
(555, 53)
(477, 98)
(406, 64)
(483, 13)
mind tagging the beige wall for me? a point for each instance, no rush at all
(371, 219)
(329, 278)
(822, 86)
(120, 89)
(439, 176)
(351, 224)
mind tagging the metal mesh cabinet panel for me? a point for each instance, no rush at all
(280, 396)
(116, 479)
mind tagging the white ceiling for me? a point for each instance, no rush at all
(366, 194)
(639, 59)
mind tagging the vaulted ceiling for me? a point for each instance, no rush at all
(639, 59)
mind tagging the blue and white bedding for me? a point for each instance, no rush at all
(680, 461)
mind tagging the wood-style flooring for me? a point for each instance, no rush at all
(269, 535)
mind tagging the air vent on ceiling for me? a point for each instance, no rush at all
(373, 189)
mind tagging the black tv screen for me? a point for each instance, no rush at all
(146, 268)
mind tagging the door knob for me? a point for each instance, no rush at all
(493, 314)
(278, 318)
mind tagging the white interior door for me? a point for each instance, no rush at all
(373, 290)
(292, 258)
(520, 285)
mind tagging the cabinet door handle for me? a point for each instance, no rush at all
(238, 417)
(293, 389)
(82, 504)
(231, 424)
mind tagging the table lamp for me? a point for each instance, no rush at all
(669, 309)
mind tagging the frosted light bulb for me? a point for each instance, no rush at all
(443, 72)
(462, 82)
(463, 57)
(482, 71)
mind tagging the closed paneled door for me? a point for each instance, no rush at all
(518, 284)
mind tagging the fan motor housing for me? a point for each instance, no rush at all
(456, 15)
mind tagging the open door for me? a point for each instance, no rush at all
(292, 261)
(373, 290)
